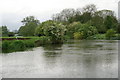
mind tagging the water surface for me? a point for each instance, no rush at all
(74, 59)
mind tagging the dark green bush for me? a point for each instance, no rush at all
(118, 37)
(87, 30)
(6, 46)
(17, 45)
(110, 34)
(29, 43)
(72, 28)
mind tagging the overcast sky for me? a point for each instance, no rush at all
(13, 11)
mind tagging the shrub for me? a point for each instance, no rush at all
(118, 37)
(29, 43)
(5, 46)
(72, 28)
(66, 37)
(78, 35)
(87, 30)
(110, 34)
(18, 45)
(53, 29)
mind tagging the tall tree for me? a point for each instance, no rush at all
(104, 13)
(91, 8)
(64, 15)
(85, 14)
(110, 22)
(104, 20)
(29, 26)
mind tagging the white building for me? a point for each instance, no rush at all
(119, 10)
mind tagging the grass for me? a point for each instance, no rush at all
(21, 45)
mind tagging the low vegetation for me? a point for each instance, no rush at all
(21, 45)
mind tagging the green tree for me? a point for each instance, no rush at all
(29, 26)
(4, 31)
(104, 20)
(104, 13)
(98, 22)
(87, 13)
(64, 15)
(83, 15)
(110, 22)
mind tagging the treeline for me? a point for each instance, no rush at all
(82, 23)
(4, 32)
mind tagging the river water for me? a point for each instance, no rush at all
(74, 59)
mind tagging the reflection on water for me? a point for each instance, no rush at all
(74, 59)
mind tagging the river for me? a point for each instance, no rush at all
(74, 59)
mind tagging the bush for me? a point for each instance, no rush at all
(18, 45)
(53, 29)
(110, 34)
(87, 30)
(72, 28)
(29, 43)
(78, 35)
(5, 46)
(118, 37)
(66, 37)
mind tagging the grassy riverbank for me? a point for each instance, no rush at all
(8, 46)
(21, 45)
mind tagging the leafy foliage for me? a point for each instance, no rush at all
(53, 29)
(18, 45)
(5, 46)
(30, 24)
(110, 22)
(4, 31)
(87, 30)
(72, 28)
(110, 34)
(78, 35)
